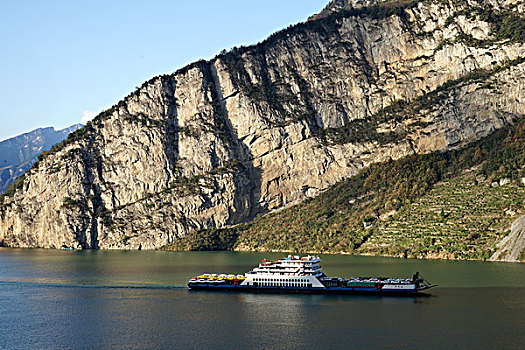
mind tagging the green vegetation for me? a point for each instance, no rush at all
(55, 169)
(10, 191)
(211, 239)
(521, 257)
(74, 203)
(505, 25)
(145, 120)
(352, 213)
(459, 217)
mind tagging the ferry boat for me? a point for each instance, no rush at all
(304, 275)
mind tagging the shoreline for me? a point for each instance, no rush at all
(279, 251)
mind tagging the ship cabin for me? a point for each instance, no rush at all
(291, 266)
(292, 271)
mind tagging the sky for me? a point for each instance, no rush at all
(65, 61)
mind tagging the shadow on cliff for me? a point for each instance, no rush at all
(247, 178)
(171, 138)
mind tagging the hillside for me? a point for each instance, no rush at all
(18, 153)
(456, 205)
(260, 128)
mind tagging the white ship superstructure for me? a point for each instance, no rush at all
(292, 271)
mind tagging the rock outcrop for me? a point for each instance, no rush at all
(220, 141)
(512, 247)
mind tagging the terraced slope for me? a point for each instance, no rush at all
(463, 217)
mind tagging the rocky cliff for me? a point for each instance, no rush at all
(18, 153)
(512, 247)
(261, 127)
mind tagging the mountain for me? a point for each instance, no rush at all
(18, 153)
(338, 5)
(221, 142)
(456, 204)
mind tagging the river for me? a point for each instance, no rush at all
(138, 300)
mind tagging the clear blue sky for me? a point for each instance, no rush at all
(59, 59)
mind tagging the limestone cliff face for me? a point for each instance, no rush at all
(220, 141)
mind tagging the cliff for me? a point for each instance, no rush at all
(455, 204)
(262, 127)
(512, 247)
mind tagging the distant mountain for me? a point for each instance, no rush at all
(18, 153)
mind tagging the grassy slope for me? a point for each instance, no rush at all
(434, 205)
(460, 217)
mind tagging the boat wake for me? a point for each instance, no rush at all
(65, 284)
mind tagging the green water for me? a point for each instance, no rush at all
(119, 299)
(159, 268)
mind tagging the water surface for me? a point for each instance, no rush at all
(115, 299)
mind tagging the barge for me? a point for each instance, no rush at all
(294, 274)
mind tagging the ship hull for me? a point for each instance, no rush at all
(303, 290)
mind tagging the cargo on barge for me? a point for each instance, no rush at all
(296, 274)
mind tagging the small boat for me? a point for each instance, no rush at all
(296, 274)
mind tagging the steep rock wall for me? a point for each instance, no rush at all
(512, 247)
(218, 142)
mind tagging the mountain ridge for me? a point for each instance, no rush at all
(253, 130)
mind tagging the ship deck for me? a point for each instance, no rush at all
(303, 290)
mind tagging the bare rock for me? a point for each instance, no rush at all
(218, 142)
